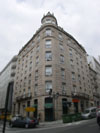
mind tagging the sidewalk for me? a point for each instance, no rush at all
(52, 123)
(59, 123)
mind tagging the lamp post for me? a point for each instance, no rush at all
(55, 98)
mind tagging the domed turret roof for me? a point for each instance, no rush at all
(49, 16)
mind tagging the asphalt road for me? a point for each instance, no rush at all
(89, 126)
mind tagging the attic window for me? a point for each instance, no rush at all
(48, 21)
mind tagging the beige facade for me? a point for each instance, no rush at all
(52, 74)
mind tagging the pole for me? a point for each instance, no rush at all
(53, 107)
(6, 106)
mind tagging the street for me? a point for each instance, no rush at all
(87, 126)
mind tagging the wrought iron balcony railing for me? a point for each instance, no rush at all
(24, 97)
(80, 95)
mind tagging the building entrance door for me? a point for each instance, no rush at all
(49, 109)
(76, 107)
(48, 114)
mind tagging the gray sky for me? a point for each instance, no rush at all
(19, 19)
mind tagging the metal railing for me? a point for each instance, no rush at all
(24, 97)
(80, 95)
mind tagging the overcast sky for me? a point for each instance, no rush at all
(19, 19)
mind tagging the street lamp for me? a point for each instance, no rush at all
(55, 97)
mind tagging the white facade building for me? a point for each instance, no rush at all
(6, 76)
(95, 65)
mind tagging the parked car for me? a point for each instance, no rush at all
(19, 121)
(98, 109)
(89, 113)
(98, 116)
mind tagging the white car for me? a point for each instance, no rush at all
(89, 113)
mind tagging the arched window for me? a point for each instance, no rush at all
(48, 32)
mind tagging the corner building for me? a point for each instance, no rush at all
(52, 74)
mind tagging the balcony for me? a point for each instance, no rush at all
(80, 95)
(24, 97)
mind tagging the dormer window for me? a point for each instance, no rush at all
(53, 22)
(48, 20)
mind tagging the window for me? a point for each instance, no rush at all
(61, 58)
(74, 88)
(48, 56)
(48, 44)
(32, 43)
(61, 46)
(79, 77)
(37, 49)
(79, 82)
(29, 90)
(48, 70)
(73, 76)
(78, 70)
(29, 75)
(30, 57)
(24, 78)
(53, 22)
(69, 41)
(72, 66)
(60, 36)
(24, 92)
(48, 20)
(28, 103)
(30, 68)
(71, 61)
(37, 60)
(36, 74)
(48, 86)
(63, 73)
(30, 62)
(38, 37)
(29, 82)
(70, 52)
(24, 84)
(35, 89)
(63, 87)
(48, 32)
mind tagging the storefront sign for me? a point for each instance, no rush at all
(75, 100)
(30, 109)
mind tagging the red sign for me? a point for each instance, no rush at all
(75, 100)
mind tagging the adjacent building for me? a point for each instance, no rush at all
(95, 66)
(52, 74)
(6, 76)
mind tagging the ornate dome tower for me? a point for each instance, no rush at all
(49, 19)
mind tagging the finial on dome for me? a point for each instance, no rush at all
(48, 13)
